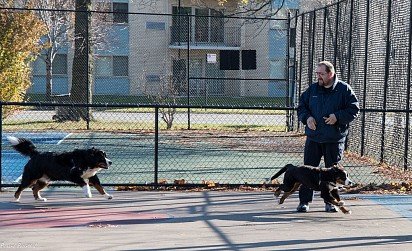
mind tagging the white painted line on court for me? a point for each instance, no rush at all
(60, 141)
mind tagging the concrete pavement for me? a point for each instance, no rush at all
(208, 220)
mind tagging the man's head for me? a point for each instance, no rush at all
(325, 73)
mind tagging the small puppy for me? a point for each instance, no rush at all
(318, 179)
(78, 166)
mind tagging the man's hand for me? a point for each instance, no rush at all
(331, 120)
(311, 123)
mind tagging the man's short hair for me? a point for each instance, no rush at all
(328, 66)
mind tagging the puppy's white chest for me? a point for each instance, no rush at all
(90, 172)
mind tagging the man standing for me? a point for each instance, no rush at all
(326, 108)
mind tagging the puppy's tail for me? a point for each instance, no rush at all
(23, 146)
(281, 171)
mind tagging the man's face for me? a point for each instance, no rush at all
(324, 78)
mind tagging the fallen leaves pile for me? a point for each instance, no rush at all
(399, 182)
(392, 188)
(403, 185)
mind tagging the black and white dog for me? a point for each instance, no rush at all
(319, 179)
(78, 166)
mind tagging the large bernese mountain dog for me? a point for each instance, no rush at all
(78, 166)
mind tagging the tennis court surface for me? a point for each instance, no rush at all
(208, 220)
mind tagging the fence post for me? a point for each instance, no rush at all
(88, 48)
(288, 84)
(312, 49)
(325, 14)
(350, 40)
(386, 77)
(336, 34)
(408, 93)
(294, 76)
(349, 56)
(188, 70)
(365, 70)
(156, 147)
(302, 25)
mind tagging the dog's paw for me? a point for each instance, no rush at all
(108, 196)
(348, 212)
(41, 199)
(86, 191)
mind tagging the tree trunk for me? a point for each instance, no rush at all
(82, 77)
(49, 79)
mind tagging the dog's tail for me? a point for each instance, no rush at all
(23, 146)
(281, 171)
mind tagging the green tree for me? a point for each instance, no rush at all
(19, 36)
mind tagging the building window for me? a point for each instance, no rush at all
(249, 60)
(208, 25)
(103, 66)
(120, 11)
(39, 67)
(60, 64)
(120, 66)
(179, 75)
(229, 60)
(278, 69)
(180, 24)
(217, 26)
(152, 78)
(119, 15)
(155, 26)
(117, 66)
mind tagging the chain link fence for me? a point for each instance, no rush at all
(369, 43)
(224, 145)
(191, 94)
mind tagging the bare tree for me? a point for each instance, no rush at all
(166, 93)
(58, 24)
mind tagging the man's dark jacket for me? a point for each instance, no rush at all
(319, 102)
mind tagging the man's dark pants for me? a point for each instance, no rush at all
(332, 153)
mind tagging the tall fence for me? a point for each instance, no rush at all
(224, 85)
(369, 43)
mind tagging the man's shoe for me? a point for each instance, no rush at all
(303, 208)
(330, 208)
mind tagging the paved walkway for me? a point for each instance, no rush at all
(147, 117)
(209, 220)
